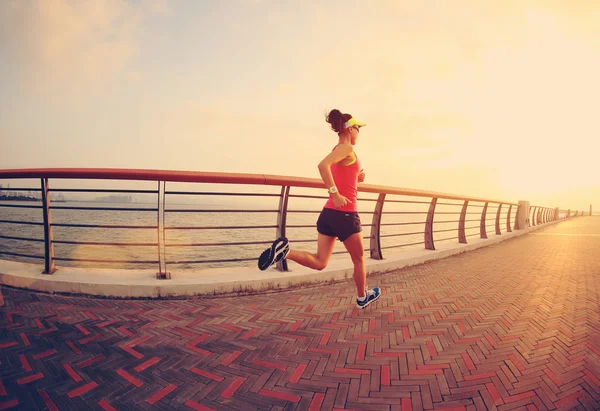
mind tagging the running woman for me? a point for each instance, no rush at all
(341, 172)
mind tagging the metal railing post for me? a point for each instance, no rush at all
(429, 245)
(281, 222)
(375, 243)
(161, 235)
(482, 231)
(541, 216)
(49, 266)
(498, 232)
(508, 228)
(462, 238)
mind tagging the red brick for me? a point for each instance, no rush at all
(72, 373)
(360, 352)
(232, 388)
(280, 395)
(83, 389)
(298, 373)
(317, 401)
(230, 358)
(385, 375)
(147, 364)
(162, 393)
(568, 399)
(106, 406)
(197, 406)
(129, 377)
(44, 354)
(26, 380)
(207, 374)
(270, 365)
(479, 376)
(351, 371)
(47, 400)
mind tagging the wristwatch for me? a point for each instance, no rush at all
(332, 190)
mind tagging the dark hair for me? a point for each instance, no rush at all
(337, 120)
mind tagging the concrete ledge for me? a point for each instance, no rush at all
(123, 283)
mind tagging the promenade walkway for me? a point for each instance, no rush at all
(515, 325)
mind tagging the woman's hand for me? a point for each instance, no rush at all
(339, 200)
(361, 176)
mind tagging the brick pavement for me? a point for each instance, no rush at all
(510, 326)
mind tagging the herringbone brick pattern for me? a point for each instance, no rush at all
(510, 326)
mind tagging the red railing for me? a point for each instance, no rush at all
(498, 222)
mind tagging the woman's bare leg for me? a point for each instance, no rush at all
(316, 261)
(354, 245)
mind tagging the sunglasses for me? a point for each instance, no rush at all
(357, 128)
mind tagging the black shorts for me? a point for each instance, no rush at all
(340, 224)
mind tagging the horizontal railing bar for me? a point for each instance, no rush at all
(215, 193)
(20, 206)
(101, 190)
(85, 260)
(307, 196)
(446, 221)
(20, 222)
(302, 225)
(102, 208)
(318, 211)
(407, 201)
(231, 260)
(402, 245)
(230, 227)
(470, 228)
(110, 244)
(216, 244)
(445, 239)
(326, 197)
(218, 178)
(22, 238)
(403, 212)
(400, 234)
(179, 210)
(451, 204)
(471, 235)
(22, 255)
(140, 227)
(447, 212)
(410, 223)
(21, 189)
(444, 231)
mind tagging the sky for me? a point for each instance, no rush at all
(479, 98)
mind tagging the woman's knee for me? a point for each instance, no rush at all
(358, 259)
(321, 264)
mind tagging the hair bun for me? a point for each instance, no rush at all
(337, 120)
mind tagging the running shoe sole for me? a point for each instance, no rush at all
(278, 250)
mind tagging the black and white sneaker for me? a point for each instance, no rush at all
(372, 295)
(277, 252)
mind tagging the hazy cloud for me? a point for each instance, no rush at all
(64, 48)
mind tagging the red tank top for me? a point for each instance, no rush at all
(346, 180)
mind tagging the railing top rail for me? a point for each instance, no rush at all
(216, 178)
